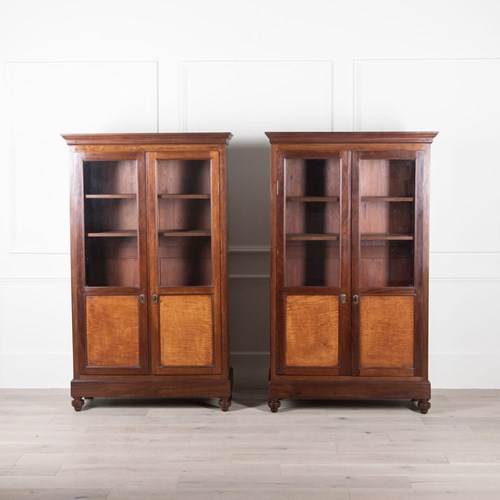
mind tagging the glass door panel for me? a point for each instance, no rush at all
(111, 223)
(312, 222)
(386, 222)
(184, 222)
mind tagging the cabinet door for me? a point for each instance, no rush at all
(185, 248)
(311, 271)
(387, 238)
(109, 226)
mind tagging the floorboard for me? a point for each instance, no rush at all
(119, 449)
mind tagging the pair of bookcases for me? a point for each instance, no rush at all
(349, 266)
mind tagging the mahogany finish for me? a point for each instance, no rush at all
(349, 217)
(149, 266)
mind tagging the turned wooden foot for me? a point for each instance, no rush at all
(224, 403)
(424, 405)
(274, 404)
(77, 403)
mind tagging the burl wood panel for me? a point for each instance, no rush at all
(312, 330)
(186, 330)
(112, 331)
(386, 332)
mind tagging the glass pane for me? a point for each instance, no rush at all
(387, 218)
(183, 177)
(110, 177)
(184, 223)
(383, 177)
(111, 223)
(312, 263)
(184, 261)
(387, 222)
(312, 222)
(184, 215)
(386, 263)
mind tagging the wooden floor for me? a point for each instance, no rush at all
(120, 450)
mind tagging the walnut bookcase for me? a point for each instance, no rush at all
(349, 266)
(149, 266)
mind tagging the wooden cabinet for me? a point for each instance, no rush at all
(149, 267)
(349, 266)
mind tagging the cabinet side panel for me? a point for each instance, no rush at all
(112, 325)
(186, 330)
(386, 333)
(312, 325)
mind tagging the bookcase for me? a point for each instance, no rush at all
(349, 266)
(149, 266)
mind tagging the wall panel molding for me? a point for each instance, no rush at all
(100, 102)
(422, 94)
(34, 281)
(249, 248)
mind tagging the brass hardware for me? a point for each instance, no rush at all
(142, 298)
(355, 299)
(155, 298)
(343, 298)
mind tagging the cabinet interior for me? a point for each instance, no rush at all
(312, 221)
(111, 223)
(386, 222)
(184, 215)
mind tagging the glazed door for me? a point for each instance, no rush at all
(312, 279)
(386, 283)
(184, 253)
(112, 277)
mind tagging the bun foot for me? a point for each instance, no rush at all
(424, 405)
(274, 404)
(224, 403)
(77, 403)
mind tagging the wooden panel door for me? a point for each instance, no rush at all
(184, 262)
(387, 234)
(111, 277)
(312, 263)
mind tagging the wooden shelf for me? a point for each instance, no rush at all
(311, 237)
(184, 232)
(111, 196)
(127, 233)
(313, 199)
(165, 196)
(374, 199)
(387, 236)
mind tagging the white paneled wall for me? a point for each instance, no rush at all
(192, 65)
